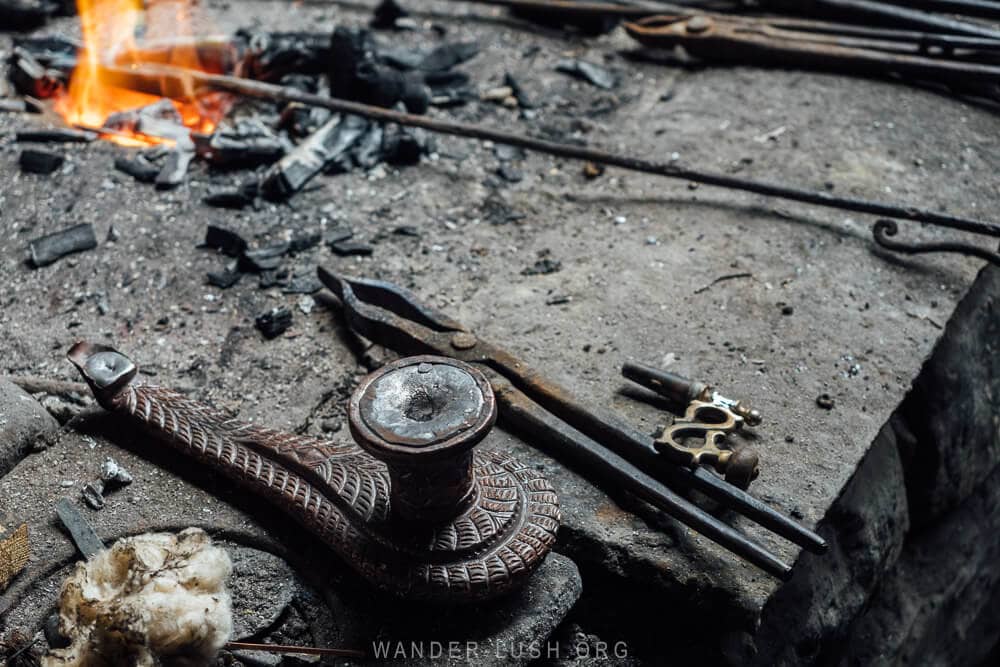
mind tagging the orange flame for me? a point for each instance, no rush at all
(109, 30)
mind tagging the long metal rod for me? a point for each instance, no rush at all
(179, 82)
(567, 443)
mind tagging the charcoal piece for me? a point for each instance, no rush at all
(338, 234)
(589, 72)
(510, 174)
(449, 88)
(407, 230)
(543, 266)
(497, 211)
(244, 145)
(349, 48)
(523, 99)
(223, 279)
(175, 168)
(220, 238)
(13, 106)
(269, 56)
(138, 168)
(25, 14)
(39, 162)
(49, 248)
(304, 284)
(387, 14)
(63, 135)
(368, 151)
(302, 242)
(349, 248)
(263, 259)
(447, 56)
(401, 57)
(93, 494)
(245, 194)
(328, 145)
(384, 86)
(53, 51)
(403, 146)
(274, 322)
(32, 78)
(273, 278)
(158, 116)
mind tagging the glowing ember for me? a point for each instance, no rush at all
(109, 31)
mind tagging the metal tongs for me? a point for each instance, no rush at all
(950, 59)
(600, 443)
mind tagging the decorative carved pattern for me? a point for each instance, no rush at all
(341, 494)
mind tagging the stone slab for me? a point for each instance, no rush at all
(22, 420)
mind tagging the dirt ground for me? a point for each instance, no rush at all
(818, 309)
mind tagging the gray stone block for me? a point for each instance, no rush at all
(22, 420)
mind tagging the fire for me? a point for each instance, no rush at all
(110, 29)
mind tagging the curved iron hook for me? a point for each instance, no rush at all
(884, 228)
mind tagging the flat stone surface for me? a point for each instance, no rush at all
(639, 255)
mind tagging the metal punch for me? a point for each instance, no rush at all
(599, 444)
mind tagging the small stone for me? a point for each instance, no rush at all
(510, 174)
(349, 248)
(542, 267)
(331, 425)
(306, 304)
(40, 162)
(592, 170)
(787, 310)
(93, 494)
(825, 401)
(113, 474)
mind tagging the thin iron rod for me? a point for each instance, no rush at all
(283, 648)
(179, 82)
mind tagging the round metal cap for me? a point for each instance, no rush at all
(422, 407)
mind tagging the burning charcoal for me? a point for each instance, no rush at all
(175, 168)
(49, 248)
(56, 135)
(263, 259)
(348, 248)
(247, 144)
(32, 78)
(302, 242)
(542, 267)
(40, 162)
(230, 243)
(338, 234)
(274, 322)
(517, 91)
(138, 168)
(387, 16)
(447, 56)
(589, 72)
(223, 279)
(322, 150)
(160, 119)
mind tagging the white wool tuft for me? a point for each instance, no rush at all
(153, 599)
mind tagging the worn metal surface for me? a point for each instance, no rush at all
(480, 550)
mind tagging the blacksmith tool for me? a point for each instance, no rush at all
(708, 418)
(952, 59)
(602, 444)
(411, 507)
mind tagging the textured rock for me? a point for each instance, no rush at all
(809, 617)
(938, 605)
(949, 424)
(22, 419)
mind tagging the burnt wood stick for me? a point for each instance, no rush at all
(179, 82)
